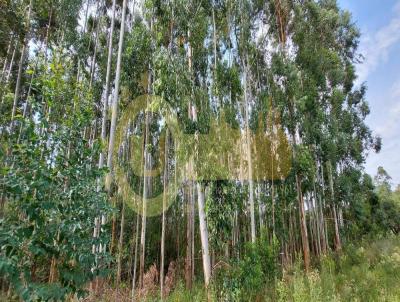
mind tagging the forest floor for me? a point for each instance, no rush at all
(369, 271)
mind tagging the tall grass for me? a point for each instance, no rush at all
(368, 272)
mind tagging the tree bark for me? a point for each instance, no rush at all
(189, 189)
(6, 59)
(24, 51)
(146, 184)
(96, 42)
(116, 97)
(11, 64)
(188, 264)
(107, 85)
(249, 159)
(137, 236)
(120, 244)
(338, 245)
(204, 235)
(165, 194)
(135, 259)
(303, 225)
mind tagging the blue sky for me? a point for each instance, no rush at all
(379, 21)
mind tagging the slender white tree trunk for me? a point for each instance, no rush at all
(260, 208)
(96, 43)
(338, 244)
(24, 51)
(116, 97)
(120, 244)
(107, 85)
(6, 59)
(214, 37)
(83, 32)
(136, 242)
(105, 105)
(11, 64)
(8, 71)
(249, 159)
(146, 185)
(46, 40)
(135, 259)
(204, 235)
(165, 195)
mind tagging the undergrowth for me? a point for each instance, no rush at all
(368, 272)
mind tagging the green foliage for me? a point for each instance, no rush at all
(369, 272)
(221, 203)
(136, 59)
(201, 57)
(245, 279)
(197, 294)
(51, 186)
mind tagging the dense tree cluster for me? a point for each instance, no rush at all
(77, 199)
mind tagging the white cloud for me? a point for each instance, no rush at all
(376, 47)
(397, 7)
(390, 126)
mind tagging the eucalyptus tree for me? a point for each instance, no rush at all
(107, 83)
(51, 193)
(328, 79)
(114, 107)
(115, 99)
(24, 52)
(287, 84)
(281, 66)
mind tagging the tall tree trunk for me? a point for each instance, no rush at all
(338, 244)
(204, 235)
(6, 59)
(135, 259)
(319, 211)
(115, 107)
(189, 215)
(83, 32)
(137, 232)
(46, 40)
(165, 195)
(147, 166)
(317, 220)
(214, 38)
(303, 225)
(120, 244)
(260, 207)
(24, 51)
(189, 189)
(96, 42)
(249, 160)
(273, 205)
(302, 215)
(146, 189)
(7, 72)
(104, 111)
(323, 205)
(11, 64)
(107, 86)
